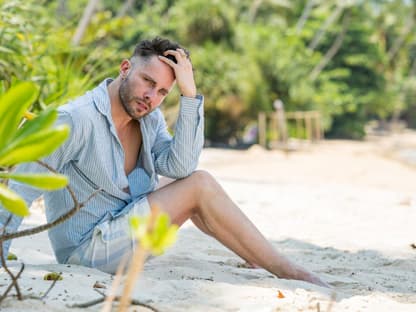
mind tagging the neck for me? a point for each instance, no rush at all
(120, 118)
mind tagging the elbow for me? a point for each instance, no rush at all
(181, 171)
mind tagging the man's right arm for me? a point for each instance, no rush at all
(56, 160)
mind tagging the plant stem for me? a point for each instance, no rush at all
(136, 266)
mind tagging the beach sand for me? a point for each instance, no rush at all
(345, 210)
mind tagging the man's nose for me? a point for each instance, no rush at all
(150, 94)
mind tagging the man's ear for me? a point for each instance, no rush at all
(125, 67)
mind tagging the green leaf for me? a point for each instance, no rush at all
(159, 238)
(47, 182)
(134, 222)
(39, 123)
(13, 202)
(34, 146)
(13, 105)
(170, 236)
(165, 240)
(163, 234)
(11, 256)
(138, 225)
(162, 223)
(53, 276)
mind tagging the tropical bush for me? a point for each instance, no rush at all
(35, 139)
(354, 61)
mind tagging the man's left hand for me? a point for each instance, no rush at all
(183, 71)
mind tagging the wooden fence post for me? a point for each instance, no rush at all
(308, 126)
(281, 120)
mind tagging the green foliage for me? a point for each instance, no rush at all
(13, 202)
(11, 256)
(210, 21)
(350, 126)
(35, 46)
(10, 113)
(235, 86)
(154, 237)
(246, 55)
(53, 276)
(30, 142)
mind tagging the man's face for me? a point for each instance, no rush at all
(145, 85)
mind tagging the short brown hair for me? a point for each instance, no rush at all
(156, 46)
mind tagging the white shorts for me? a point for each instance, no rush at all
(110, 241)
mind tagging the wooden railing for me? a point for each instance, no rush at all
(273, 127)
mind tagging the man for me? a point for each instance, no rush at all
(118, 145)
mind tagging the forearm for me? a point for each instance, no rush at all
(179, 156)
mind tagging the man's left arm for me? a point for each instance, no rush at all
(177, 157)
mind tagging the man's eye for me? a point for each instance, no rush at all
(151, 82)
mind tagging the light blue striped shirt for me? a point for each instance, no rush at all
(93, 158)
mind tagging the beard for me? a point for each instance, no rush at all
(129, 101)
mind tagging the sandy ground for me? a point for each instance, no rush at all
(346, 210)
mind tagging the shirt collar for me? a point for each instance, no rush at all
(102, 98)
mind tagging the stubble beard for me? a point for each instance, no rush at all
(126, 98)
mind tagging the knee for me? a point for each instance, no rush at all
(203, 181)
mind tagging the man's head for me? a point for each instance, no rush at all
(146, 80)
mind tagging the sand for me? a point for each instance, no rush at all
(345, 210)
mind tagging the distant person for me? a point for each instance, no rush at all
(119, 144)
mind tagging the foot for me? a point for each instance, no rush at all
(310, 277)
(248, 265)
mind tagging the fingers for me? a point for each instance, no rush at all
(179, 54)
(182, 53)
(167, 61)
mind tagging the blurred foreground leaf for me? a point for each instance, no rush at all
(13, 202)
(13, 105)
(53, 276)
(34, 146)
(36, 124)
(157, 238)
(43, 181)
(11, 256)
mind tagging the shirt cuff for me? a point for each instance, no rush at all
(190, 105)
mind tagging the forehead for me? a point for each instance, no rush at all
(159, 71)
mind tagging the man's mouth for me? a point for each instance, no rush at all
(142, 106)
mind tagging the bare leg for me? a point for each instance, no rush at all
(202, 199)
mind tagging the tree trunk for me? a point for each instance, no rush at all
(413, 69)
(128, 4)
(85, 20)
(62, 9)
(253, 10)
(399, 41)
(333, 50)
(332, 18)
(305, 14)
